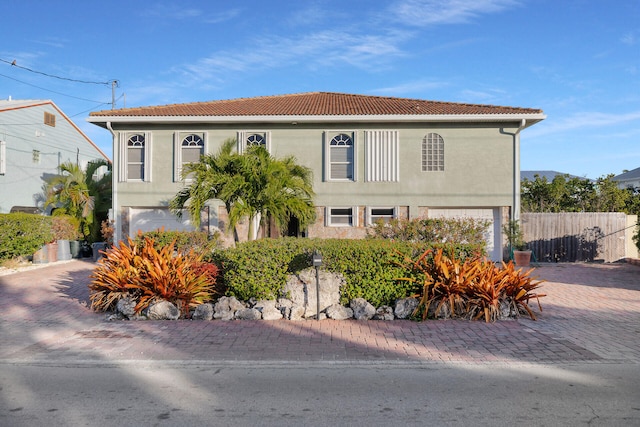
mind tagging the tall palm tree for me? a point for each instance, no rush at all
(253, 184)
(78, 193)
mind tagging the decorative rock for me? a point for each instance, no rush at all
(405, 307)
(296, 312)
(163, 310)
(301, 289)
(248, 314)
(438, 311)
(226, 308)
(268, 310)
(203, 312)
(384, 313)
(339, 312)
(362, 309)
(126, 306)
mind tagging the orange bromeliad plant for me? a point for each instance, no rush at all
(148, 275)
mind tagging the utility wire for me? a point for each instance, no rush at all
(14, 64)
(53, 91)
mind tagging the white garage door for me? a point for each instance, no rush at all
(494, 233)
(148, 219)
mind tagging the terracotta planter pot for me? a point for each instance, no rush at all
(522, 258)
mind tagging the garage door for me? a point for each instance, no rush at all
(494, 233)
(150, 219)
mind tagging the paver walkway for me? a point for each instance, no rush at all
(591, 315)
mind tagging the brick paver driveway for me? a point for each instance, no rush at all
(591, 315)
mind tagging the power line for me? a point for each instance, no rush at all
(14, 64)
(53, 91)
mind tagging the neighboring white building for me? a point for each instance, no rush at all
(35, 138)
(628, 179)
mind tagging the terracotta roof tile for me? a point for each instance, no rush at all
(315, 104)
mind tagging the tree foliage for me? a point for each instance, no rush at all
(572, 194)
(78, 193)
(252, 185)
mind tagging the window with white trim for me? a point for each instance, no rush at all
(381, 156)
(340, 156)
(341, 216)
(135, 156)
(189, 146)
(384, 214)
(432, 153)
(249, 138)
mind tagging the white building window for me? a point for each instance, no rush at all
(188, 147)
(381, 156)
(340, 156)
(249, 138)
(341, 216)
(432, 153)
(384, 214)
(135, 156)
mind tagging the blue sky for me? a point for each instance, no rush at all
(578, 60)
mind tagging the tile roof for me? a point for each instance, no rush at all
(629, 175)
(314, 104)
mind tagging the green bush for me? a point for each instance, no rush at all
(22, 234)
(259, 269)
(433, 230)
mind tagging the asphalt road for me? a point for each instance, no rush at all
(353, 394)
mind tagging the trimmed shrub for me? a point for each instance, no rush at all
(22, 234)
(258, 269)
(184, 241)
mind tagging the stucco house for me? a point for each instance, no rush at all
(373, 157)
(35, 138)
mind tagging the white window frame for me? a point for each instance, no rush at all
(178, 139)
(433, 152)
(123, 166)
(381, 156)
(329, 135)
(243, 135)
(329, 216)
(369, 220)
(3, 157)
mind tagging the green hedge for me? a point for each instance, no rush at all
(185, 241)
(22, 234)
(259, 269)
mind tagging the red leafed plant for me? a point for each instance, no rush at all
(147, 275)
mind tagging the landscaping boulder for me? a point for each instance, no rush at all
(268, 310)
(248, 314)
(126, 306)
(226, 308)
(163, 310)
(301, 289)
(384, 313)
(362, 309)
(405, 307)
(203, 312)
(339, 312)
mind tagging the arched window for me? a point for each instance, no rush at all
(432, 153)
(341, 157)
(135, 156)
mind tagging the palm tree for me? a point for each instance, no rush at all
(76, 192)
(253, 184)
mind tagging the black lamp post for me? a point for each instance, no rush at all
(317, 262)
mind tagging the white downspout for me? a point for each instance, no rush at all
(516, 171)
(114, 194)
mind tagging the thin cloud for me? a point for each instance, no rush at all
(434, 12)
(583, 120)
(415, 87)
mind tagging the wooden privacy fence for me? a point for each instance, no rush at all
(571, 237)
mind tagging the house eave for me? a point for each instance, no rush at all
(531, 119)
